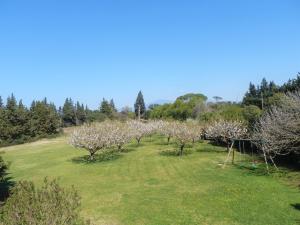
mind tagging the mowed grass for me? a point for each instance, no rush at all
(149, 185)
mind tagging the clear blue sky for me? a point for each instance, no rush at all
(108, 48)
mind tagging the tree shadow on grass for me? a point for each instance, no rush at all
(163, 143)
(98, 158)
(127, 150)
(291, 161)
(296, 206)
(257, 169)
(175, 152)
(136, 145)
(211, 150)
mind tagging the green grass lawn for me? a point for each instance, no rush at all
(148, 185)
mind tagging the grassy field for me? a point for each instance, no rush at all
(149, 185)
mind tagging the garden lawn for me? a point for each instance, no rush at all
(149, 185)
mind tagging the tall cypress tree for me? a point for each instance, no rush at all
(139, 106)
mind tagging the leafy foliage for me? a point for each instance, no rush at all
(268, 93)
(19, 124)
(69, 113)
(48, 205)
(186, 106)
(107, 108)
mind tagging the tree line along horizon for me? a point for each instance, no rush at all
(20, 124)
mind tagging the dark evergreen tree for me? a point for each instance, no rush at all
(291, 85)
(22, 117)
(139, 106)
(252, 90)
(264, 86)
(112, 105)
(80, 114)
(68, 113)
(15, 122)
(44, 119)
(106, 108)
(11, 103)
(259, 96)
(1, 103)
(18, 124)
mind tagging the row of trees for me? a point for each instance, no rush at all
(104, 136)
(19, 124)
(268, 93)
(77, 114)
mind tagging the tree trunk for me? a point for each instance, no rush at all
(228, 155)
(138, 140)
(233, 156)
(92, 156)
(266, 161)
(169, 139)
(274, 163)
(139, 113)
(181, 149)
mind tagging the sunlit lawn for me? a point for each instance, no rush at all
(149, 185)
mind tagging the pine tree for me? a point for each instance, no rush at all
(264, 86)
(112, 105)
(1, 103)
(68, 111)
(139, 106)
(16, 121)
(11, 103)
(22, 121)
(106, 108)
(252, 90)
(44, 119)
(80, 114)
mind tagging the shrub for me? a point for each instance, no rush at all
(48, 205)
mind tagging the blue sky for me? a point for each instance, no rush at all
(88, 50)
